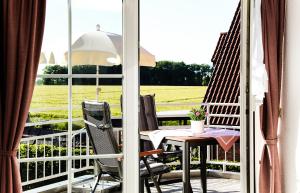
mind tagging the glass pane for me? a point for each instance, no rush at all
(185, 45)
(55, 40)
(96, 43)
(49, 102)
(45, 135)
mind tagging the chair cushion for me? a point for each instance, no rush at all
(156, 169)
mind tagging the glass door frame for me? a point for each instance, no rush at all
(246, 101)
(131, 93)
(131, 96)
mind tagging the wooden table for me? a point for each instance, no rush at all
(186, 143)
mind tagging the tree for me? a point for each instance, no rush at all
(164, 73)
(55, 69)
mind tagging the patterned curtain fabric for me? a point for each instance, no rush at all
(273, 23)
(21, 35)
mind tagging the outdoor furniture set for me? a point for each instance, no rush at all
(155, 144)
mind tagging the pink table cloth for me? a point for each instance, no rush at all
(225, 137)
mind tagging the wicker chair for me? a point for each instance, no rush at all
(99, 128)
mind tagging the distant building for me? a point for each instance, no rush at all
(224, 84)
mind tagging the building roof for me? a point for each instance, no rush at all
(224, 84)
(219, 47)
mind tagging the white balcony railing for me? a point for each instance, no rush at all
(225, 162)
(45, 157)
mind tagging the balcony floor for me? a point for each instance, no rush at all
(214, 185)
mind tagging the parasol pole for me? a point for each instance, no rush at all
(97, 73)
(97, 84)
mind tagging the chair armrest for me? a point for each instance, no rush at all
(151, 152)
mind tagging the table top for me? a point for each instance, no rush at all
(196, 139)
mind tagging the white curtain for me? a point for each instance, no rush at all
(259, 73)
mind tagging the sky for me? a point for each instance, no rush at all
(176, 30)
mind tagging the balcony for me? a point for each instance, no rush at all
(43, 162)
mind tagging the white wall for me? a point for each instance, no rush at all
(289, 139)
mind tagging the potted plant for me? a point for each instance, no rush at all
(197, 116)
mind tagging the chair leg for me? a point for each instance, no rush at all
(98, 179)
(152, 176)
(159, 178)
(142, 185)
(147, 186)
(156, 184)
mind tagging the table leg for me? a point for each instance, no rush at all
(203, 154)
(186, 168)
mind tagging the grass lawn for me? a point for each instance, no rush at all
(51, 102)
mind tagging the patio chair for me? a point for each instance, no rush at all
(148, 122)
(98, 124)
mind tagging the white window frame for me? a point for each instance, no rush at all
(70, 77)
(131, 96)
(246, 101)
(130, 114)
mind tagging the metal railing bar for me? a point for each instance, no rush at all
(224, 163)
(50, 122)
(224, 115)
(223, 126)
(80, 76)
(55, 176)
(221, 104)
(76, 157)
(76, 107)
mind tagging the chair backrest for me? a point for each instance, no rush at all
(99, 128)
(148, 119)
(147, 114)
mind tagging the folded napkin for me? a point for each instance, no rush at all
(158, 135)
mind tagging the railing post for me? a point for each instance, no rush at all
(44, 166)
(52, 167)
(224, 164)
(59, 154)
(208, 124)
(36, 164)
(87, 147)
(208, 114)
(28, 151)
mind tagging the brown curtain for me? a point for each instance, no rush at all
(21, 34)
(273, 22)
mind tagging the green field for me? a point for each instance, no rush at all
(51, 102)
